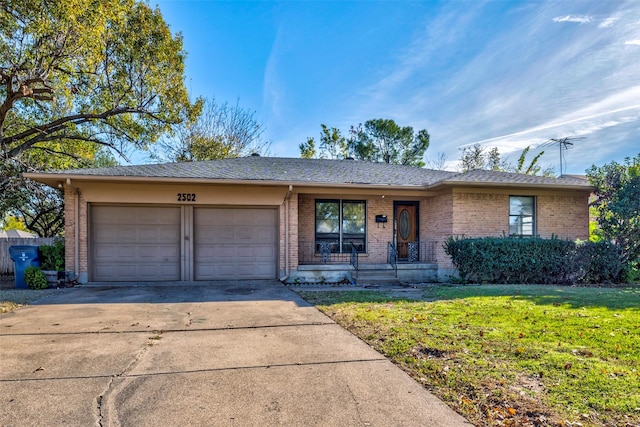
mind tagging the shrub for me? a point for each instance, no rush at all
(52, 256)
(534, 260)
(631, 272)
(600, 262)
(35, 278)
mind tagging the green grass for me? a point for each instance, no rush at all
(510, 355)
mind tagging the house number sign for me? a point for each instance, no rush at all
(186, 197)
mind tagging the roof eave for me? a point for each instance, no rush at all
(52, 180)
(446, 185)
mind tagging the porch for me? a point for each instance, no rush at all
(383, 262)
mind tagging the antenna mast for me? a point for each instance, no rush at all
(563, 144)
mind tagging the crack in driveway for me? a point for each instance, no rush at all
(106, 412)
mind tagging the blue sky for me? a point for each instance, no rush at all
(507, 74)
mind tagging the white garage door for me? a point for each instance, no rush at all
(235, 243)
(134, 243)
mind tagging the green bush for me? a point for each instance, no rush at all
(631, 272)
(600, 262)
(52, 256)
(533, 260)
(35, 278)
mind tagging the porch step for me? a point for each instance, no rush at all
(376, 275)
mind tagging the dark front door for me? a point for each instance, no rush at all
(406, 216)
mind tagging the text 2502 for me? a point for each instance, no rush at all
(186, 197)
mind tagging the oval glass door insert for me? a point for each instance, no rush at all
(404, 225)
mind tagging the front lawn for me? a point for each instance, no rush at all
(510, 355)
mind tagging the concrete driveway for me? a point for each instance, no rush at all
(208, 354)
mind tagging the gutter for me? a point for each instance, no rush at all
(286, 234)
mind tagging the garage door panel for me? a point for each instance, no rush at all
(131, 243)
(235, 243)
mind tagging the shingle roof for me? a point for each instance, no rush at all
(480, 176)
(316, 171)
(279, 169)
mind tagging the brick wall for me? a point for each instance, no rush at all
(565, 215)
(478, 213)
(84, 237)
(436, 222)
(70, 228)
(293, 233)
(306, 219)
(377, 234)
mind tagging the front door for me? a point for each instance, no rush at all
(406, 217)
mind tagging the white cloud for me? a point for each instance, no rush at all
(580, 19)
(634, 42)
(607, 22)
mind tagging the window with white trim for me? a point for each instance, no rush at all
(522, 221)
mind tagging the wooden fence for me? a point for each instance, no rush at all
(6, 264)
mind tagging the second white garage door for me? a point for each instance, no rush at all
(235, 243)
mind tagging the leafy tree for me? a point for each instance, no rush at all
(494, 161)
(221, 131)
(475, 157)
(472, 158)
(382, 140)
(617, 203)
(332, 145)
(40, 208)
(533, 168)
(12, 223)
(308, 149)
(79, 78)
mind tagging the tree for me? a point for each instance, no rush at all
(438, 163)
(332, 145)
(12, 223)
(494, 161)
(382, 140)
(617, 203)
(533, 168)
(79, 76)
(308, 149)
(475, 157)
(40, 208)
(472, 157)
(221, 131)
(108, 73)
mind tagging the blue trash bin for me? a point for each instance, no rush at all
(23, 257)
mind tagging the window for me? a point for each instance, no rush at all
(522, 216)
(340, 223)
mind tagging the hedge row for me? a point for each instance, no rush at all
(534, 260)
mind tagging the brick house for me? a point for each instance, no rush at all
(297, 220)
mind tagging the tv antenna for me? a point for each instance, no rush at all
(563, 144)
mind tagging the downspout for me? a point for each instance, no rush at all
(286, 234)
(76, 236)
